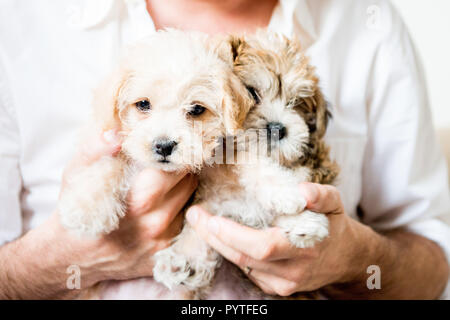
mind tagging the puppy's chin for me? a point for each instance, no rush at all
(171, 166)
(168, 166)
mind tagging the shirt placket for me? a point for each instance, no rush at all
(88, 14)
(140, 20)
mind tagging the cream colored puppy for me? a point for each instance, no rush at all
(172, 98)
(282, 146)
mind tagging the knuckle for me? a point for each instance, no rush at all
(144, 195)
(160, 229)
(338, 200)
(331, 189)
(266, 252)
(150, 181)
(161, 245)
(314, 195)
(331, 192)
(268, 291)
(155, 230)
(158, 226)
(166, 219)
(286, 290)
(242, 260)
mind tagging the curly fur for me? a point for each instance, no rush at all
(173, 71)
(264, 192)
(245, 83)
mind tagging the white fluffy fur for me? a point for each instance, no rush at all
(172, 70)
(92, 202)
(189, 261)
(304, 230)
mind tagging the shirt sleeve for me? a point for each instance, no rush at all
(405, 180)
(10, 177)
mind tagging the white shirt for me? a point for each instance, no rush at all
(53, 53)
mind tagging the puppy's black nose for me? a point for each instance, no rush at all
(164, 147)
(276, 130)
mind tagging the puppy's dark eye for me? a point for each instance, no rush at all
(196, 110)
(254, 93)
(143, 105)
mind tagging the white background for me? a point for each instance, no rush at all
(429, 24)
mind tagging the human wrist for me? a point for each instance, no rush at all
(28, 271)
(362, 250)
(52, 250)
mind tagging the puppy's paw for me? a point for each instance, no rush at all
(290, 202)
(173, 269)
(90, 216)
(170, 269)
(304, 230)
(91, 203)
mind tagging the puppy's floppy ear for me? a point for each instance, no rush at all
(313, 105)
(323, 113)
(228, 48)
(107, 98)
(315, 113)
(238, 45)
(236, 103)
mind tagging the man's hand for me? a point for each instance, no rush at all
(338, 264)
(276, 266)
(35, 265)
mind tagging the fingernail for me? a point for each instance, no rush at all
(112, 137)
(213, 226)
(192, 216)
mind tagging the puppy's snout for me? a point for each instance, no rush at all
(276, 131)
(164, 147)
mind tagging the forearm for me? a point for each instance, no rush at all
(34, 267)
(412, 267)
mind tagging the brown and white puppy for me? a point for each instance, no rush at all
(172, 98)
(290, 116)
(281, 147)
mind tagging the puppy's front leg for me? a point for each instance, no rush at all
(93, 200)
(281, 196)
(190, 262)
(284, 199)
(277, 188)
(303, 230)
